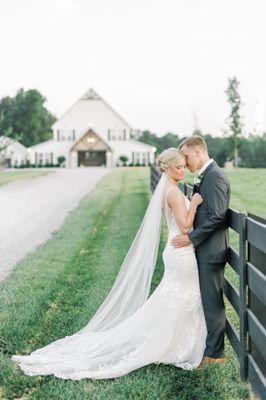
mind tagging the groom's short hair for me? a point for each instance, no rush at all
(194, 141)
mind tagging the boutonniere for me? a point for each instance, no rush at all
(197, 182)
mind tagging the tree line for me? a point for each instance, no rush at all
(233, 146)
(25, 118)
(251, 150)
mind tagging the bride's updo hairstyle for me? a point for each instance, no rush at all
(168, 158)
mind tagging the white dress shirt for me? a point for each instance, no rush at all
(205, 165)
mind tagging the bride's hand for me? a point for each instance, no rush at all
(196, 199)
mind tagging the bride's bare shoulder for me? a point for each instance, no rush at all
(173, 194)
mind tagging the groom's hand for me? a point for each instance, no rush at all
(180, 241)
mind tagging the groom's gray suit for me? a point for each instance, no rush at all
(210, 238)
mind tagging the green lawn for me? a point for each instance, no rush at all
(54, 291)
(18, 175)
(248, 195)
(248, 189)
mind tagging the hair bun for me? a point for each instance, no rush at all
(160, 166)
(168, 158)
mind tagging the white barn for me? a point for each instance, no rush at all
(91, 133)
(12, 152)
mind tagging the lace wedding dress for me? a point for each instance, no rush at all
(168, 328)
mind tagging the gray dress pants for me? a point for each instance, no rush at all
(211, 286)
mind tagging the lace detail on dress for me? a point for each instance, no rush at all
(121, 367)
(175, 294)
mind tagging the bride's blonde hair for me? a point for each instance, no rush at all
(168, 158)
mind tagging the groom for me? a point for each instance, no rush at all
(210, 239)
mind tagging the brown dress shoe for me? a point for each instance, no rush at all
(210, 360)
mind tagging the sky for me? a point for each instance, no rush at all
(162, 64)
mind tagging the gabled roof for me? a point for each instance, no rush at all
(7, 141)
(95, 133)
(92, 95)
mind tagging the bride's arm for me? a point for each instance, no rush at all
(183, 217)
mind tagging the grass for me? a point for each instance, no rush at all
(248, 189)
(54, 291)
(18, 175)
(248, 195)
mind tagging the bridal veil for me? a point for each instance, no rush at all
(132, 285)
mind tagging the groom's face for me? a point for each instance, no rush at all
(191, 155)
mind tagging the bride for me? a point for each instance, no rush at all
(130, 329)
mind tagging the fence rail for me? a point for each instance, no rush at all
(249, 300)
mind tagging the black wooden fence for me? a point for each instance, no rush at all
(249, 300)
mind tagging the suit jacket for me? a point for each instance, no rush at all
(210, 234)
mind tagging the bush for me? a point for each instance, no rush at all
(124, 160)
(61, 160)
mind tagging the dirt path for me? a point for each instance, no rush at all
(31, 210)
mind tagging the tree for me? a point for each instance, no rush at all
(25, 118)
(234, 119)
(218, 148)
(124, 160)
(252, 152)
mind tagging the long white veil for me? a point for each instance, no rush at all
(132, 285)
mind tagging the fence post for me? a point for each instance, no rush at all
(243, 295)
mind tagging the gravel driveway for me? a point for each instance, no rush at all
(31, 210)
